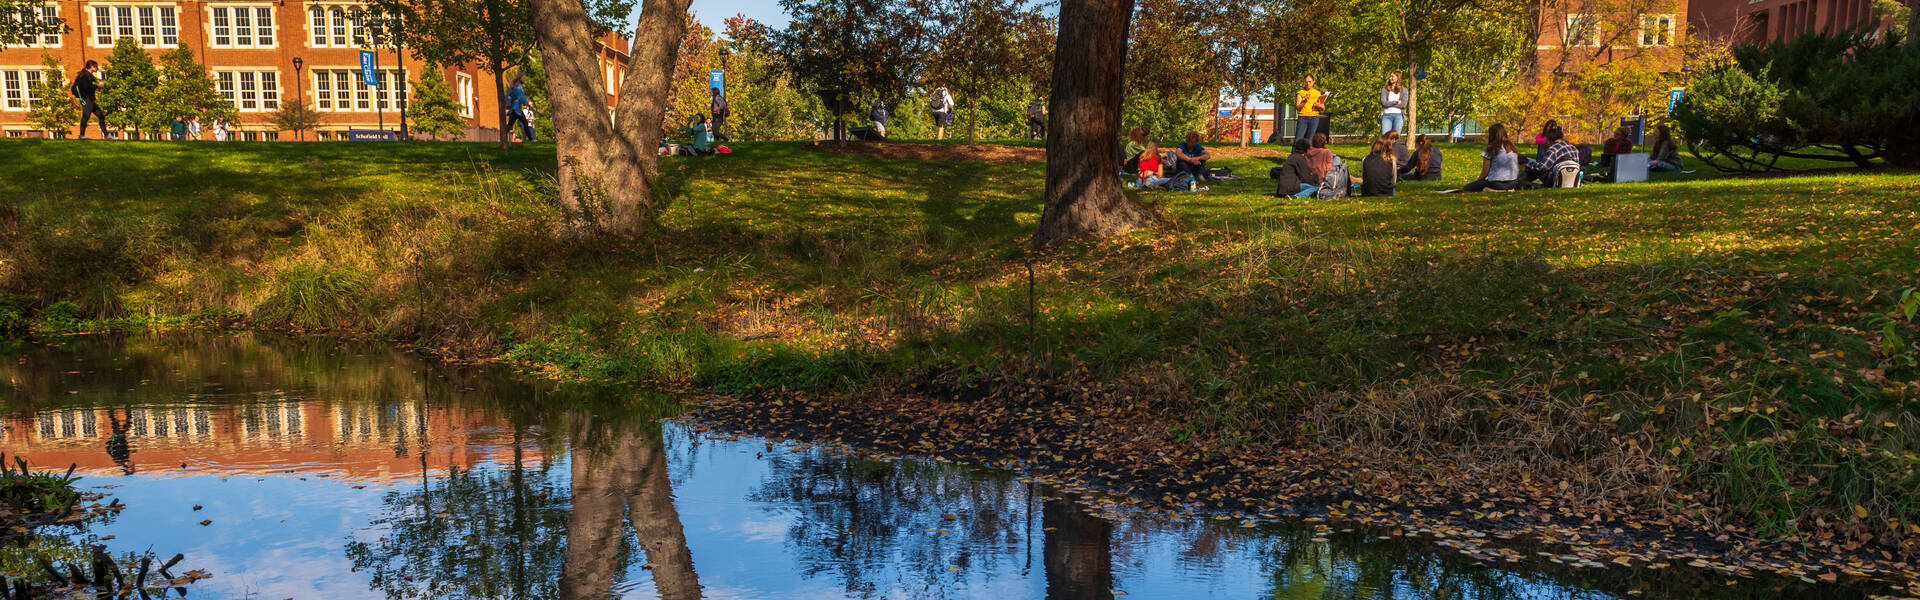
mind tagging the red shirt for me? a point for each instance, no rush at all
(1149, 165)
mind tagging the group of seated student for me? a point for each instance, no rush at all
(1144, 158)
(1305, 170)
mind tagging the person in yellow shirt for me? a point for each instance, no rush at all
(1308, 103)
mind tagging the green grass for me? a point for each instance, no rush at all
(1732, 346)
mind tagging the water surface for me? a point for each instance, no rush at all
(333, 470)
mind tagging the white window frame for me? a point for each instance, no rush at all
(339, 25)
(260, 30)
(254, 90)
(152, 24)
(1575, 21)
(464, 89)
(1655, 19)
(48, 12)
(16, 88)
(328, 96)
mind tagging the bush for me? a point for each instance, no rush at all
(1844, 98)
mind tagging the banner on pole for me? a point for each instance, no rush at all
(367, 74)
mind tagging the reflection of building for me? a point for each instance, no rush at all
(355, 439)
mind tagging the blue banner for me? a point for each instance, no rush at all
(717, 79)
(367, 62)
(1673, 99)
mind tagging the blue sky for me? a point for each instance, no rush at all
(713, 12)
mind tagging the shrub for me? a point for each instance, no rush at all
(1782, 101)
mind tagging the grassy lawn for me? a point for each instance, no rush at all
(1726, 350)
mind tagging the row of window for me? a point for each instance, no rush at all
(231, 26)
(244, 136)
(1584, 30)
(258, 90)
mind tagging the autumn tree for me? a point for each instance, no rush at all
(130, 78)
(844, 51)
(766, 103)
(1083, 194)
(1169, 77)
(1414, 29)
(435, 113)
(607, 170)
(54, 108)
(983, 44)
(699, 54)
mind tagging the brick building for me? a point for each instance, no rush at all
(250, 48)
(1763, 21)
(1584, 32)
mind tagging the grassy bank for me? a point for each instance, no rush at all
(1727, 351)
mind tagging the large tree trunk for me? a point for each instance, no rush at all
(1084, 196)
(657, 522)
(606, 168)
(1078, 552)
(1412, 84)
(1246, 120)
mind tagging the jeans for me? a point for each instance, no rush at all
(1305, 127)
(1661, 166)
(1307, 190)
(89, 108)
(1036, 128)
(1197, 169)
(1154, 181)
(720, 121)
(526, 128)
(1392, 122)
(1483, 185)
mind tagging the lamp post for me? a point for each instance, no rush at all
(724, 53)
(301, 102)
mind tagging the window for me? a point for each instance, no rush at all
(465, 83)
(48, 13)
(342, 26)
(1582, 30)
(153, 26)
(1656, 30)
(250, 91)
(242, 26)
(16, 88)
(342, 90)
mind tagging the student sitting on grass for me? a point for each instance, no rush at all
(1425, 162)
(1190, 157)
(1559, 150)
(1620, 143)
(699, 136)
(1152, 171)
(1378, 170)
(1499, 164)
(1666, 154)
(1130, 153)
(1296, 176)
(1319, 158)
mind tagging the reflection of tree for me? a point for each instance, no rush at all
(622, 468)
(488, 532)
(1360, 567)
(857, 518)
(1079, 555)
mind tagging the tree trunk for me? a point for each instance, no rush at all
(1083, 195)
(497, 62)
(500, 91)
(973, 118)
(1078, 552)
(1246, 121)
(1413, 97)
(657, 523)
(1279, 113)
(606, 169)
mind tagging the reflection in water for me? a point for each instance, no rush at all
(361, 473)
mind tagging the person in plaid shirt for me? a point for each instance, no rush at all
(1558, 151)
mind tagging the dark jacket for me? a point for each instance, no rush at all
(1377, 175)
(85, 84)
(1433, 168)
(1294, 173)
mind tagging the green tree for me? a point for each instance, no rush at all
(844, 51)
(983, 45)
(434, 112)
(21, 21)
(128, 80)
(54, 108)
(185, 91)
(296, 117)
(766, 104)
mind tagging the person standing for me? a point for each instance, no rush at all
(177, 130)
(1037, 119)
(942, 103)
(518, 107)
(1308, 103)
(878, 114)
(193, 129)
(1393, 105)
(220, 130)
(85, 86)
(718, 106)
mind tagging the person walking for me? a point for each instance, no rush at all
(1393, 106)
(518, 107)
(942, 103)
(718, 106)
(1308, 103)
(85, 85)
(177, 130)
(878, 114)
(1037, 119)
(220, 130)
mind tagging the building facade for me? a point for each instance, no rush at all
(261, 54)
(1765, 21)
(1577, 34)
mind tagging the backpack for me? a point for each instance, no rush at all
(940, 100)
(1034, 109)
(720, 108)
(1179, 183)
(1335, 184)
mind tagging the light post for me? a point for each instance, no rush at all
(301, 102)
(724, 71)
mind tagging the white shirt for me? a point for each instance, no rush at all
(1394, 96)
